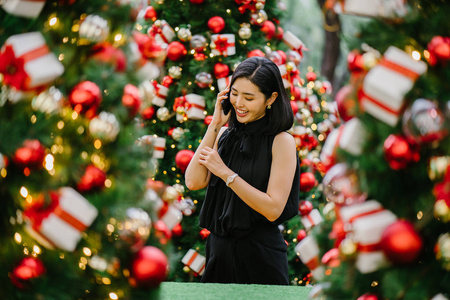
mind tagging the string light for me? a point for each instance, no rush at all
(23, 192)
(87, 251)
(49, 162)
(415, 55)
(18, 238)
(113, 296)
(60, 125)
(36, 249)
(33, 119)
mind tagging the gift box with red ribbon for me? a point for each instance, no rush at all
(159, 146)
(312, 219)
(353, 137)
(223, 82)
(290, 76)
(373, 8)
(364, 223)
(160, 94)
(195, 261)
(61, 223)
(304, 139)
(162, 32)
(386, 84)
(23, 8)
(308, 252)
(191, 105)
(171, 216)
(27, 63)
(223, 44)
(294, 42)
(328, 153)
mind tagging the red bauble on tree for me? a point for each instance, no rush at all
(28, 269)
(355, 61)
(256, 52)
(131, 99)
(305, 207)
(204, 233)
(183, 158)
(106, 53)
(221, 70)
(162, 232)
(93, 178)
(30, 155)
(149, 267)
(196, 1)
(269, 29)
(439, 49)
(401, 243)
(150, 14)
(279, 33)
(398, 152)
(177, 230)
(176, 51)
(347, 104)
(148, 113)
(85, 98)
(311, 76)
(301, 234)
(208, 120)
(307, 181)
(216, 24)
(368, 296)
(294, 107)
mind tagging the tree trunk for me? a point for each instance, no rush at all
(331, 53)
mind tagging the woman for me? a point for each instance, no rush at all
(252, 173)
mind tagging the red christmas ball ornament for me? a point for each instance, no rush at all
(221, 70)
(148, 113)
(150, 14)
(93, 178)
(305, 207)
(131, 99)
(256, 52)
(346, 102)
(294, 107)
(301, 234)
(198, 56)
(28, 268)
(167, 81)
(162, 232)
(177, 230)
(401, 243)
(204, 233)
(355, 61)
(368, 296)
(216, 24)
(183, 158)
(170, 131)
(85, 98)
(197, 1)
(307, 181)
(149, 267)
(311, 76)
(30, 155)
(279, 33)
(331, 258)
(398, 152)
(208, 120)
(296, 93)
(439, 49)
(176, 51)
(268, 28)
(106, 53)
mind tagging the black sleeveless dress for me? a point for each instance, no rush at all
(244, 247)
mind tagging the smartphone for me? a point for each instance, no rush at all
(226, 104)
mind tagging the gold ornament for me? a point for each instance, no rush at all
(186, 269)
(184, 34)
(259, 17)
(175, 72)
(442, 211)
(177, 133)
(163, 114)
(48, 101)
(347, 248)
(170, 194)
(443, 250)
(94, 29)
(245, 32)
(104, 127)
(370, 60)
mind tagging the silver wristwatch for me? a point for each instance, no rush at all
(231, 178)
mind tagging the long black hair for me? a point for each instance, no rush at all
(265, 74)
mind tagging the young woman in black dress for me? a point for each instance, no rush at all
(251, 171)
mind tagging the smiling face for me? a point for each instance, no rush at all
(249, 103)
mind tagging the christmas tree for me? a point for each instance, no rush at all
(74, 158)
(385, 233)
(196, 58)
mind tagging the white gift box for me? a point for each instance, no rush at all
(353, 137)
(172, 217)
(159, 146)
(222, 83)
(63, 227)
(328, 153)
(386, 84)
(163, 33)
(223, 44)
(195, 107)
(367, 222)
(161, 92)
(373, 8)
(283, 72)
(293, 41)
(308, 252)
(312, 219)
(195, 261)
(40, 64)
(23, 8)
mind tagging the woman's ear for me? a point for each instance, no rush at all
(272, 98)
